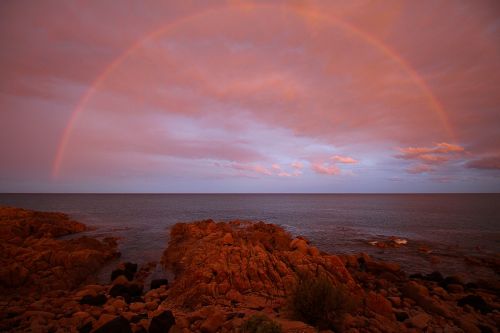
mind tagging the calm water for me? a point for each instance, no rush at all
(451, 225)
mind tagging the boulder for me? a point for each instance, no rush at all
(477, 302)
(379, 304)
(451, 280)
(157, 283)
(420, 320)
(299, 245)
(162, 322)
(228, 239)
(130, 293)
(213, 322)
(434, 276)
(455, 288)
(137, 307)
(94, 300)
(116, 325)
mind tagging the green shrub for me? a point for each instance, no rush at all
(260, 324)
(318, 302)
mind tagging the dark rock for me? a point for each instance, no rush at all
(233, 315)
(401, 315)
(485, 329)
(117, 272)
(119, 290)
(137, 299)
(162, 322)
(471, 285)
(117, 325)
(135, 290)
(477, 302)
(126, 269)
(434, 276)
(130, 267)
(455, 288)
(416, 276)
(94, 300)
(450, 280)
(130, 293)
(157, 283)
(86, 328)
(138, 317)
(140, 329)
(362, 264)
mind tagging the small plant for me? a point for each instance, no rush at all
(260, 324)
(318, 302)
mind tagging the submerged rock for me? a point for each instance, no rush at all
(126, 269)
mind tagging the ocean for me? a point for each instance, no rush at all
(449, 227)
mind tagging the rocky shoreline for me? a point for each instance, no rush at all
(229, 277)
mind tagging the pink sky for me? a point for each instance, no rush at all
(250, 96)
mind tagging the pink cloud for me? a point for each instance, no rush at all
(325, 169)
(419, 168)
(221, 64)
(343, 159)
(485, 163)
(428, 158)
(330, 167)
(297, 165)
(254, 168)
(440, 153)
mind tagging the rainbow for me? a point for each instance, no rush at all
(306, 13)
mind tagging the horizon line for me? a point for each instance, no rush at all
(245, 193)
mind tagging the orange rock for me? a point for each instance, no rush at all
(213, 322)
(227, 239)
(41, 262)
(208, 273)
(379, 304)
(299, 245)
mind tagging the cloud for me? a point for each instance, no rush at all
(440, 153)
(253, 168)
(420, 168)
(218, 63)
(343, 159)
(330, 167)
(428, 158)
(485, 163)
(325, 169)
(297, 165)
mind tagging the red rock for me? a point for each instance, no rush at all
(207, 272)
(455, 288)
(213, 322)
(41, 262)
(227, 239)
(396, 301)
(137, 307)
(299, 245)
(379, 304)
(420, 320)
(313, 251)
